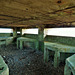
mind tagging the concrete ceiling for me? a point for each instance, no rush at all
(34, 13)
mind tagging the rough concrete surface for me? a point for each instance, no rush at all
(28, 62)
(4, 70)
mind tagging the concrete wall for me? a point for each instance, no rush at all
(5, 34)
(57, 39)
(31, 36)
(61, 39)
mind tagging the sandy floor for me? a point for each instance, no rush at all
(28, 62)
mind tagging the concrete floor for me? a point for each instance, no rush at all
(28, 62)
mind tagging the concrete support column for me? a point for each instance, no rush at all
(17, 44)
(67, 70)
(21, 44)
(20, 31)
(14, 32)
(41, 38)
(56, 59)
(46, 54)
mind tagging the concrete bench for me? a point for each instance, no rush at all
(70, 65)
(57, 48)
(24, 39)
(6, 40)
(4, 70)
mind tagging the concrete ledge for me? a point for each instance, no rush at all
(70, 65)
(60, 47)
(9, 40)
(57, 48)
(6, 40)
(21, 40)
(4, 70)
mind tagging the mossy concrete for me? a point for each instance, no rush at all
(41, 39)
(6, 34)
(34, 36)
(58, 49)
(70, 65)
(21, 40)
(55, 39)
(6, 40)
(14, 32)
(9, 40)
(4, 70)
(61, 39)
(20, 31)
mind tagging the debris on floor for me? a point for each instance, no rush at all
(28, 62)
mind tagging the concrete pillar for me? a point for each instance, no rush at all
(46, 55)
(67, 70)
(41, 38)
(21, 44)
(20, 31)
(14, 32)
(17, 44)
(56, 59)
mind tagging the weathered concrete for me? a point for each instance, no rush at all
(6, 40)
(9, 40)
(61, 39)
(2, 41)
(14, 32)
(56, 39)
(57, 48)
(6, 34)
(50, 13)
(23, 39)
(41, 38)
(70, 65)
(21, 32)
(4, 70)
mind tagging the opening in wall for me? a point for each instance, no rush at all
(6, 30)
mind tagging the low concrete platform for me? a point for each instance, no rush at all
(24, 39)
(57, 48)
(6, 40)
(4, 70)
(70, 65)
